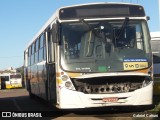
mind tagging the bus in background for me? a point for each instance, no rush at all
(11, 80)
(92, 55)
(155, 43)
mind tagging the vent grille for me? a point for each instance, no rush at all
(103, 85)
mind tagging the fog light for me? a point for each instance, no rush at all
(68, 84)
(64, 77)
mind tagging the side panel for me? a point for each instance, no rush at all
(42, 80)
(16, 82)
(34, 81)
(26, 77)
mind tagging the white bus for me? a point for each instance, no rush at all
(155, 43)
(92, 55)
(10, 80)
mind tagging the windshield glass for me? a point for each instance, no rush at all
(103, 46)
(15, 76)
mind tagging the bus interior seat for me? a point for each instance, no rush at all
(87, 44)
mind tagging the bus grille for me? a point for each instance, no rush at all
(103, 85)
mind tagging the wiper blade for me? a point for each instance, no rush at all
(122, 28)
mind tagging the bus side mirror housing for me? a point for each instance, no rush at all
(148, 17)
(55, 33)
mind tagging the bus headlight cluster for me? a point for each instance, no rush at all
(64, 77)
(67, 83)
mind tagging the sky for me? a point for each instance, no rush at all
(20, 20)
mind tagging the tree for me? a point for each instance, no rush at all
(20, 70)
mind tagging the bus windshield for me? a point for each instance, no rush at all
(15, 76)
(105, 46)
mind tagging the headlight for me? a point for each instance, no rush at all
(68, 84)
(64, 77)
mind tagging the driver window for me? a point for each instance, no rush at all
(71, 41)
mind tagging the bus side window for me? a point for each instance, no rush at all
(44, 47)
(29, 56)
(51, 53)
(32, 54)
(36, 50)
(41, 42)
(7, 78)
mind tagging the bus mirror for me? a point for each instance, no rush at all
(55, 33)
(148, 18)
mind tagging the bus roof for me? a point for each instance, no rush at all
(109, 10)
(98, 3)
(56, 15)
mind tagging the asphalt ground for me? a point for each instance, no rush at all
(17, 101)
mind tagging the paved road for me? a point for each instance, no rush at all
(17, 102)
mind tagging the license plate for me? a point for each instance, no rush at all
(111, 99)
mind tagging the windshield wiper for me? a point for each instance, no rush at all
(122, 28)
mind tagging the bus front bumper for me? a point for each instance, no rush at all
(69, 99)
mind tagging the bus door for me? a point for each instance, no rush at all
(51, 73)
